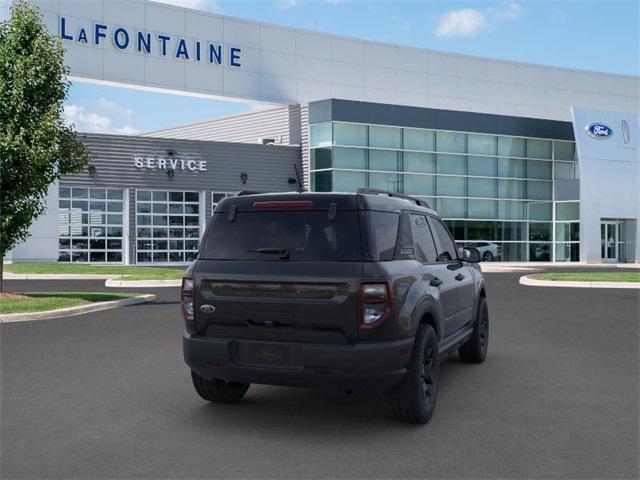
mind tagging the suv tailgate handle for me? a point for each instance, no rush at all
(435, 282)
(459, 277)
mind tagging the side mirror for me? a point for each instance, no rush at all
(470, 255)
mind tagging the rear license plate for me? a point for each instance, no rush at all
(267, 354)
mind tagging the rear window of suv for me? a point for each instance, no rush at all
(303, 235)
(284, 235)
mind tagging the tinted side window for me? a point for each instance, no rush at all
(447, 249)
(422, 239)
(382, 228)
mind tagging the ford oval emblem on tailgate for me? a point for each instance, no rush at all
(208, 308)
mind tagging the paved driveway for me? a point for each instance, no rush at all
(106, 395)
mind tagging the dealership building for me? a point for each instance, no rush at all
(528, 162)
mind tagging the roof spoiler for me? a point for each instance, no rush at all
(375, 191)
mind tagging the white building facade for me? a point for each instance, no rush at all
(509, 153)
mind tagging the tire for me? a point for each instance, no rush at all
(414, 400)
(474, 350)
(219, 391)
(487, 257)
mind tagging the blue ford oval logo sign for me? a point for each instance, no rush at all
(599, 131)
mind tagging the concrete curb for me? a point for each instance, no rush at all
(114, 282)
(56, 276)
(533, 282)
(71, 311)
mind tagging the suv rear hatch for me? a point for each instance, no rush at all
(282, 268)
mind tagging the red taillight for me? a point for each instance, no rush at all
(374, 304)
(284, 204)
(186, 299)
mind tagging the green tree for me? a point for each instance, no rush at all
(36, 147)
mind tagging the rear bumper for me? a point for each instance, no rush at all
(370, 367)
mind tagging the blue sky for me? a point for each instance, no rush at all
(599, 35)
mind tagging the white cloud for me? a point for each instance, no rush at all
(286, 4)
(208, 5)
(467, 22)
(86, 120)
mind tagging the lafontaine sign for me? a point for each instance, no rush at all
(162, 45)
(171, 163)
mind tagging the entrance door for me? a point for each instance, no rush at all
(609, 241)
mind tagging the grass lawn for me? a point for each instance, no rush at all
(128, 272)
(42, 301)
(590, 276)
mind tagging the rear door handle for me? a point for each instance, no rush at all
(435, 282)
(459, 277)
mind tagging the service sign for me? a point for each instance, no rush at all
(171, 163)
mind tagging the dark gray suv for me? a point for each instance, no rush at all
(361, 291)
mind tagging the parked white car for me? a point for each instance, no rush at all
(489, 251)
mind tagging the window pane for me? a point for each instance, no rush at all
(512, 231)
(567, 252)
(162, 196)
(322, 181)
(143, 196)
(98, 193)
(567, 232)
(419, 162)
(538, 148)
(540, 252)
(511, 210)
(114, 194)
(565, 171)
(349, 158)
(418, 139)
(64, 192)
(418, 184)
(452, 207)
(320, 134)
(454, 186)
(385, 137)
(511, 189)
(511, 167)
(383, 231)
(451, 142)
(320, 158)
(481, 230)
(539, 211)
(564, 150)
(385, 181)
(346, 134)
(349, 181)
(539, 169)
(539, 190)
(191, 197)
(447, 250)
(483, 144)
(422, 239)
(483, 209)
(567, 211)
(539, 232)
(511, 147)
(79, 192)
(485, 166)
(453, 164)
(483, 187)
(383, 160)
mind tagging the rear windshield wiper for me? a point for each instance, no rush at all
(283, 252)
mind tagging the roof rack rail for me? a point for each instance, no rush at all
(375, 191)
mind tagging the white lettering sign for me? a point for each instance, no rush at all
(160, 163)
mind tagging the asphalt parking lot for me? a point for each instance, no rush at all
(107, 395)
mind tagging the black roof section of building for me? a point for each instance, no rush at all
(419, 117)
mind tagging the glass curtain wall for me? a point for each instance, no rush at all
(493, 191)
